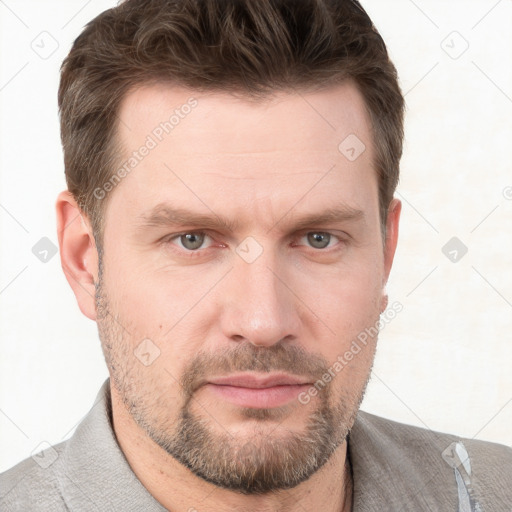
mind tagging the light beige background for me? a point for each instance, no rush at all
(443, 363)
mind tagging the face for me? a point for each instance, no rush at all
(242, 256)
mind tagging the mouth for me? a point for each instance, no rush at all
(257, 391)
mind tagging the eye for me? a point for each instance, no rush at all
(191, 241)
(319, 239)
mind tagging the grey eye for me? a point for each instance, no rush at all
(192, 241)
(319, 240)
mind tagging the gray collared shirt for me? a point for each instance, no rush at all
(395, 467)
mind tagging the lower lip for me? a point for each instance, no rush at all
(258, 398)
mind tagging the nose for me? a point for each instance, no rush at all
(259, 304)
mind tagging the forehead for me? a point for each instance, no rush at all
(267, 124)
(219, 151)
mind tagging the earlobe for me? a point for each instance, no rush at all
(78, 253)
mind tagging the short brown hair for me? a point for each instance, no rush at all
(244, 46)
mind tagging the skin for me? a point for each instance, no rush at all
(264, 165)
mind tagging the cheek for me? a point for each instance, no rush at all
(143, 298)
(164, 309)
(346, 299)
(138, 302)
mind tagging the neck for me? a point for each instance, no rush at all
(177, 489)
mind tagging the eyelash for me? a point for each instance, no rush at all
(200, 252)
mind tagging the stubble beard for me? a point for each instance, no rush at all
(264, 463)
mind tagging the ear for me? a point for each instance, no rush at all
(78, 253)
(392, 222)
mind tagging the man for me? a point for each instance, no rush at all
(230, 225)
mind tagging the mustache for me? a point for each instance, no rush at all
(248, 358)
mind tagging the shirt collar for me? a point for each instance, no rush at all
(98, 476)
(396, 466)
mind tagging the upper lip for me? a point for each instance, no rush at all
(245, 380)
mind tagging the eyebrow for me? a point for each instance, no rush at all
(342, 213)
(164, 215)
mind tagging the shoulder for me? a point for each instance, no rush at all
(431, 466)
(34, 483)
(86, 472)
(379, 428)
